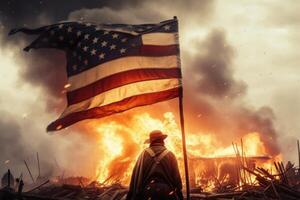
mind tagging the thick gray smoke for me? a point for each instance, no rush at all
(213, 67)
(213, 96)
(217, 104)
(12, 146)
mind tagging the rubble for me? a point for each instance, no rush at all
(252, 183)
(266, 186)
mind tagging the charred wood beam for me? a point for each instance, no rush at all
(29, 171)
(39, 186)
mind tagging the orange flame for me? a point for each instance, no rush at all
(120, 144)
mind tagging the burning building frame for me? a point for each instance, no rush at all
(236, 170)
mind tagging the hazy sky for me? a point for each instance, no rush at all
(254, 43)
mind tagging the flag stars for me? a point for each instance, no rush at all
(124, 40)
(97, 28)
(86, 62)
(167, 27)
(88, 24)
(101, 56)
(106, 32)
(69, 29)
(93, 52)
(86, 36)
(60, 26)
(78, 33)
(123, 50)
(103, 44)
(85, 48)
(95, 40)
(112, 47)
(115, 36)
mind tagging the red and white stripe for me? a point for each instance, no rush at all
(124, 83)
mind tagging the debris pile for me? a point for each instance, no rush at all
(252, 183)
(284, 185)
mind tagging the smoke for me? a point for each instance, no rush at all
(25, 111)
(12, 146)
(214, 98)
(40, 70)
(148, 11)
(218, 105)
(213, 69)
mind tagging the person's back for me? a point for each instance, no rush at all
(156, 173)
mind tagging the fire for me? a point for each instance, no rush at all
(112, 145)
(253, 145)
(120, 145)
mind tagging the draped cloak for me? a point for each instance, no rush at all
(167, 169)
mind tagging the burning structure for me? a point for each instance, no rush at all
(227, 177)
(244, 166)
(207, 156)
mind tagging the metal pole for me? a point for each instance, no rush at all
(38, 162)
(298, 154)
(185, 159)
(186, 167)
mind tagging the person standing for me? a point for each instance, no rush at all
(155, 174)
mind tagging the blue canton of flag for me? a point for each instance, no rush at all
(89, 44)
(112, 67)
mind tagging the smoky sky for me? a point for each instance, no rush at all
(214, 97)
(40, 69)
(213, 68)
(210, 76)
(15, 13)
(11, 136)
(217, 105)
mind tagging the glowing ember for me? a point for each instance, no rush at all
(67, 86)
(59, 127)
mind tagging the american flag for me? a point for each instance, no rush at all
(112, 68)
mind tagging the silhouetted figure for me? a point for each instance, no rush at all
(7, 189)
(7, 180)
(155, 174)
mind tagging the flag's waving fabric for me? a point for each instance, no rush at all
(113, 67)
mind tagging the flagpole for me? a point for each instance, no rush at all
(186, 168)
